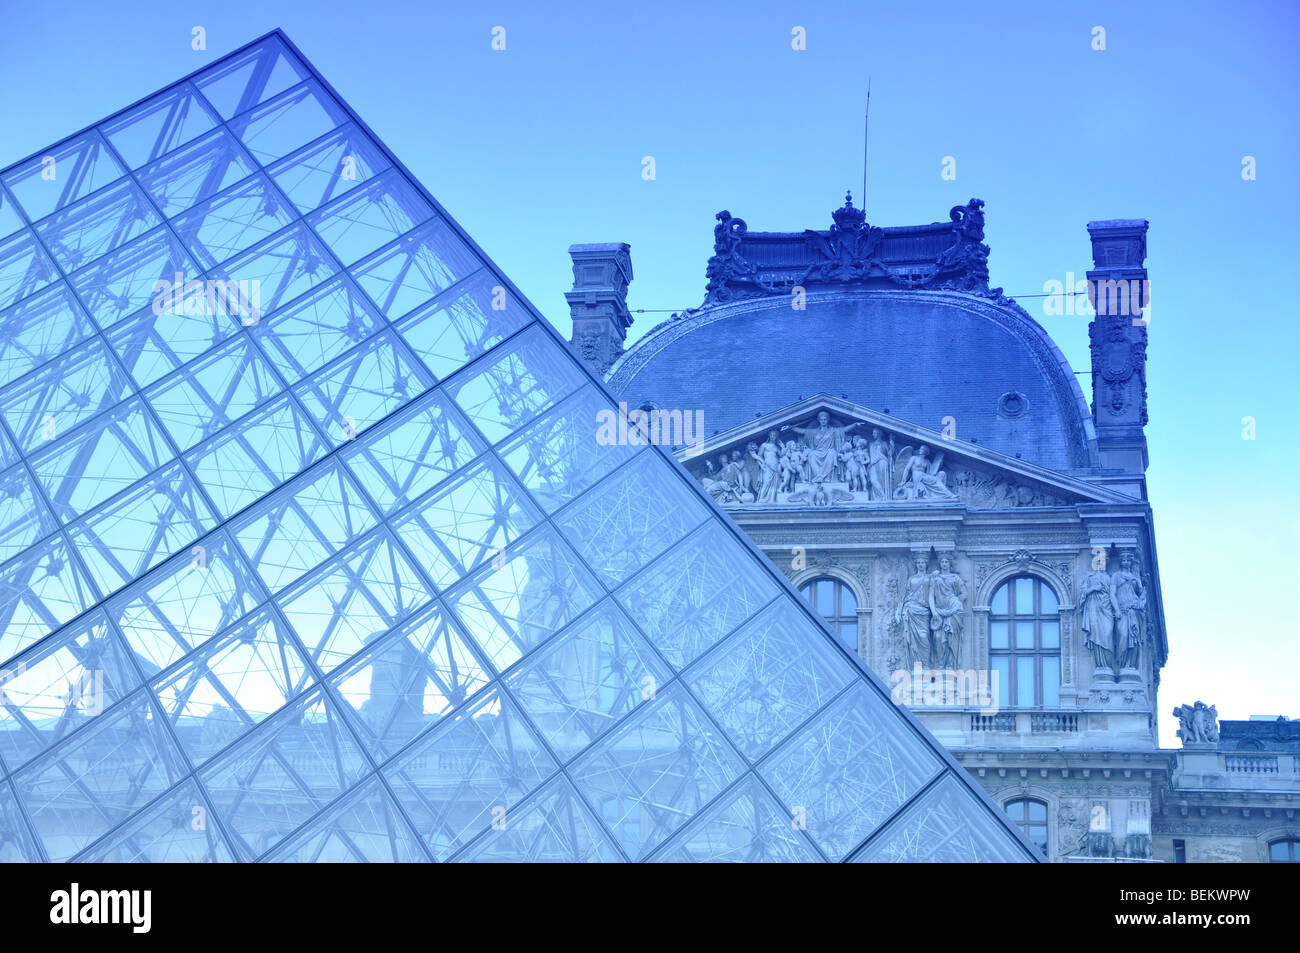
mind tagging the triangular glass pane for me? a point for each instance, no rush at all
(99, 777)
(938, 829)
(68, 172)
(408, 681)
(364, 828)
(16, 842)
(553, 827)
(282, 775)
(243, 80)
(60, 686)
(745, 825)
(654, 772)
(176, 829)
(849, 769)
(38, 329)
(468, 773)
(159, 125)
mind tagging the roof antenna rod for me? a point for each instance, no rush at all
(866, 131)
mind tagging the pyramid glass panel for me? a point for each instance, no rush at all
(312, 546)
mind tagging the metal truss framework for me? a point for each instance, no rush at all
(308, 549)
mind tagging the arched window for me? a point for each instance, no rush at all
(836, 604)
(1030, 815)
(1025, 644)
(1285, 851)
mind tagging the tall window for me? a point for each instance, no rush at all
(1030, 815)
(1286, 851)
(837, 606)
(1025, 644)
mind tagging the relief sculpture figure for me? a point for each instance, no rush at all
(824, 445)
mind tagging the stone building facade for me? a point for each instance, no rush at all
(912, 449)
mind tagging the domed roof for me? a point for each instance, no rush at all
(919, 355)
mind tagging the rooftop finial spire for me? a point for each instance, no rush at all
(866, 130)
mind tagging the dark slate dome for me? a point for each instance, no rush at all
(917, 355)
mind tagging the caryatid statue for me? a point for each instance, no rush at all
(912, 617)
(1097, 619)
(1129, 596)
(824, 445)
(947, 606)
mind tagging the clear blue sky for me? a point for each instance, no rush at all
(540, 146)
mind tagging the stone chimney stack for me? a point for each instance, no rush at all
(598, 302)
(1118, 290)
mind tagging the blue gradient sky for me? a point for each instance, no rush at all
(540, 146)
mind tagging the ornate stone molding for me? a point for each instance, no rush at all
(857, 567)
(748, 264)
(1057, 570)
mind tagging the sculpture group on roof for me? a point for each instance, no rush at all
(1198, 724)
(744, 264)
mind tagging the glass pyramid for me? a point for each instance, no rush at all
(308, 550)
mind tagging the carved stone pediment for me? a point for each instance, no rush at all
(825, 451)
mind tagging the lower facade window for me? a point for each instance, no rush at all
(1030, 815)
(1286, 851)
(835, 602)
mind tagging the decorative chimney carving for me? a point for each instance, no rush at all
(1118, 290)
(598, 302)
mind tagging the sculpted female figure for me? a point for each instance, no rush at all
(1097, 619)
(922, 479)
(1130, 597)
(878, 466)
(769, 462)
(913, 613)
(947, 603)
(717, 483)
